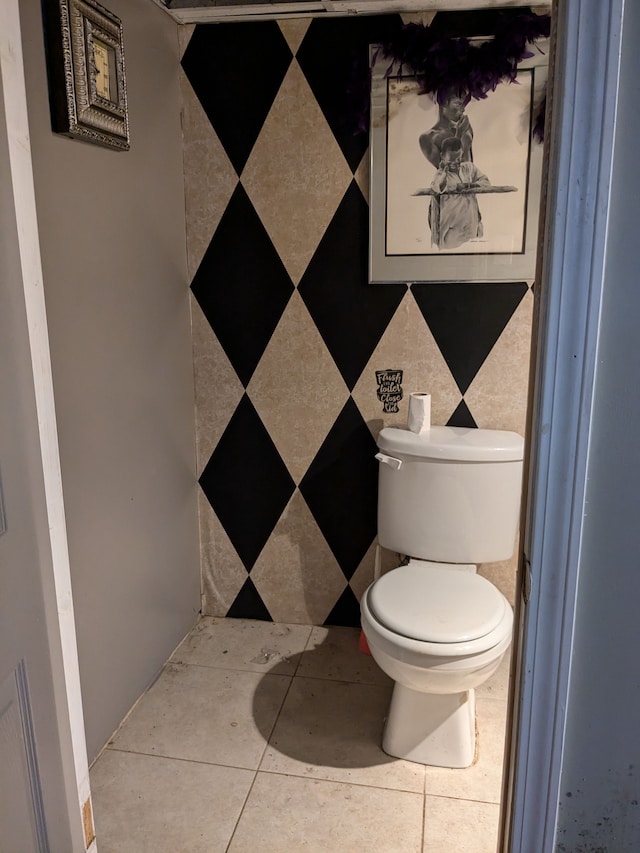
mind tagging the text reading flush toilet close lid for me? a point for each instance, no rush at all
(436, 605)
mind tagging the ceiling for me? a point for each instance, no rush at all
(203, 11)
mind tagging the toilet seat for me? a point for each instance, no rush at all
(431, 717)
(431, 603)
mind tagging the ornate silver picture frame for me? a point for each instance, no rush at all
(87, 82)
(482, 226)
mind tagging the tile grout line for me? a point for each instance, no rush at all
(296, 661)
(423, 837)
(306, 648)
(221, 668)
(275, 722)
(295, 674)
(287, 775)
(266, 746)
(244, 805)
(110, 740)
(349, 783)
(180, 758)
(462, 799)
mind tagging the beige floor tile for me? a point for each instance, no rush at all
(324, 783)
(146, 804)
(244, 644)
(460, 826)
(332, 730)
(285, 815)
(205, 714)
(483, 780)
(333, 653)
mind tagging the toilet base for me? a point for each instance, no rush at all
(438, 729)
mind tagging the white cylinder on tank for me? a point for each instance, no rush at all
(451, 495)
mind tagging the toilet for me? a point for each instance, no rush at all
(447, 500)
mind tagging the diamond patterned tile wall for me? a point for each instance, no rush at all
(247, 483)
(279, 252)
(242, 285)
(340, 488)
(236, 71)
(327, 55)
(466, 320)
(335, 290)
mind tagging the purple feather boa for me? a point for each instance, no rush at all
(446, 66)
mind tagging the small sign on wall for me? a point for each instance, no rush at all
(389, 389)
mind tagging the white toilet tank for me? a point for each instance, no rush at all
(451, 495)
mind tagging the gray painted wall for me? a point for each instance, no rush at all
(600, 793)
(113, 251)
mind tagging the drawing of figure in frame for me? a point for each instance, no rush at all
(462, 136)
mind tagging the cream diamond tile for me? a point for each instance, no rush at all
(363, 575)
(294, 30)
(223, 574)
(209, 524)
(296, 574)
(497, 397)
(217, 387)
(407, 345)
(184, 37)
(296, 175)
(209, 177)
(503, 575)
(297, 388)
(424, 18)
(362, 176)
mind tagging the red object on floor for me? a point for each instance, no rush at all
(363, 645)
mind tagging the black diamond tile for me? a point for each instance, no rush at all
(334, 56)
(351, 314)
(466, 321)
(462, 417)
(242, 285)
(341, 488)
(247, 483)
(346, 611)
(236, 71)
(249, 605)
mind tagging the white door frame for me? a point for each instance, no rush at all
(581, 139)
(583, 115)
(60, 616)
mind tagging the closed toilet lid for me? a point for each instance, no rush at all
(436, 605)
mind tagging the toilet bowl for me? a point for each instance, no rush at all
(448, 499)
(439, 631)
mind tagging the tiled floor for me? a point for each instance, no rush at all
(263, 737)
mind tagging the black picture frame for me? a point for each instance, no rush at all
(86, 71)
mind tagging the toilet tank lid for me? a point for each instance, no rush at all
(454, 443)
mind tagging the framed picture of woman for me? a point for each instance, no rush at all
(455, 186)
